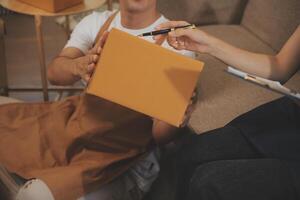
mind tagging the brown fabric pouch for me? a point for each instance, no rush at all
(75, 145)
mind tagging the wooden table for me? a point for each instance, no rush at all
(20, 7)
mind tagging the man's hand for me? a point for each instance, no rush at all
(163, 132)
(85, 65)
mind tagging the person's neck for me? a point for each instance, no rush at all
(140, 20)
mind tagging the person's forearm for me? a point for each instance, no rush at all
(61, 71)
(279, 67)
(258, 64)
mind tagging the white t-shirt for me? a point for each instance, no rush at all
(86, 31)
(83, 38)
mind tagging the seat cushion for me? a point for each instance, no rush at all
(223, 96)
(5, 100)
(203, 11)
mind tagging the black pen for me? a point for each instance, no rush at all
(165, 31)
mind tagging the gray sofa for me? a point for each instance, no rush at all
(257, 25)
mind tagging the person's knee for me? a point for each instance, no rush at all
(206, 182)
(241, 179)
(198, 148)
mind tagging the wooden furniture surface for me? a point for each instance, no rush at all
(20, 7)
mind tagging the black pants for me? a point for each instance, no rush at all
(222, 164)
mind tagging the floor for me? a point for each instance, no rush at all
(22, 54)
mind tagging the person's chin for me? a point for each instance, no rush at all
(136, 9)
(137, 6)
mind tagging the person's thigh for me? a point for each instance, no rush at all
(226, 143)
(282, 112)
(219, 144)
(259, 179)
(122, 188)
(273, 128)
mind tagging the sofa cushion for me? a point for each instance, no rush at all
(222, 96)
(203, 11)
(5, 100)
(273, 21)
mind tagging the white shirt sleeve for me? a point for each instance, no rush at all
(85, 32)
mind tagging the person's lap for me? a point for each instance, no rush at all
(220, 144)
(123, 187)
(128, 186)
(226, 159)
(248, 179)
(274, 128)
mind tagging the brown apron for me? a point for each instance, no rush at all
(75, 145)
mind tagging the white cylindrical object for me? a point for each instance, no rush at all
(34, 190)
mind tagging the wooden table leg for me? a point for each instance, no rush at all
(3, 70)
(41, 52)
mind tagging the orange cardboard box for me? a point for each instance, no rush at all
(145, 77)
(52, 5)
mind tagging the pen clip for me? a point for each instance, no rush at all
(192, 26)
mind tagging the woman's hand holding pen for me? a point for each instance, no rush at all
(185, 39)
